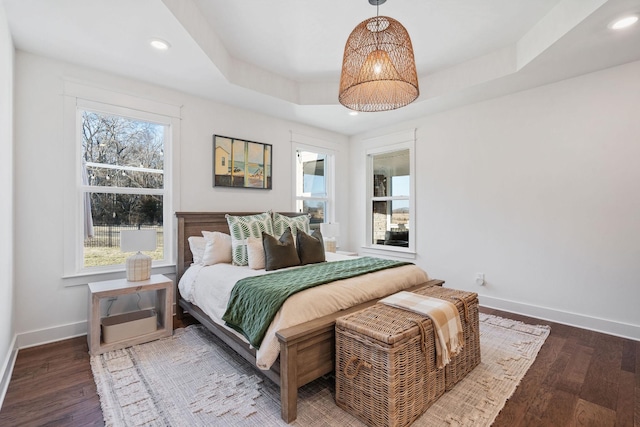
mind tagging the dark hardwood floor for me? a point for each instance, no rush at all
(580, 378)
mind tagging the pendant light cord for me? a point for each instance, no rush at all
(377, 24)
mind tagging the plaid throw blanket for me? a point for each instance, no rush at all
(444, 315)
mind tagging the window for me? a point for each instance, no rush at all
(120, 167)
(390, 194)
(123, 185)
(314, 176)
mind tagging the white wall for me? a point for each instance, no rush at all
(539, 191)
(6, 207)
(46, 309)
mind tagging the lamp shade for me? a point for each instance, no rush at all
(378, 67)
(137, 240)
(138, 266)
(330, 229)
(329, 233)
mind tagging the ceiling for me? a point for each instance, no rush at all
(283, 58)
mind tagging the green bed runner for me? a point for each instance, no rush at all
(255, 300)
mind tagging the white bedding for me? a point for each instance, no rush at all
(209, 287)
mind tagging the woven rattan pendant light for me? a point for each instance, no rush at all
(378, 68)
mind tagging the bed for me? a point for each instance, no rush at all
(306, 350)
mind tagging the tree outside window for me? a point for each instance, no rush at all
(123, 183)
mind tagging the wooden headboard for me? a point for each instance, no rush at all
(193, 223)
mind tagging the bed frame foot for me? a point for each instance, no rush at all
(179, 312)
(288, 383)
(289, 415)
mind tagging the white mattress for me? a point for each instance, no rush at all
(210, 288)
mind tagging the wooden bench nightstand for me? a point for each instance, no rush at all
(115, 288)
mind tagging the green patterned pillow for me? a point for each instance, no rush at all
(281, 223)
(243, 227)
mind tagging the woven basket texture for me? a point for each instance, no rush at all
(386, 372)
(469, 357)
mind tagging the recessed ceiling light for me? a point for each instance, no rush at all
(353, 113)
(160, 44)
(625, 22)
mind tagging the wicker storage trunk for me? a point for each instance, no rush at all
(386, 371)
(467, 303)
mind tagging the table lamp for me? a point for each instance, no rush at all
(330, 231)
(138, 265)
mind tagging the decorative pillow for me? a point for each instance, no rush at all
(310, 248)
(197, 245)
(217, 249)
(243, 227)
(255, 253)
(279, 253)
(281, 222)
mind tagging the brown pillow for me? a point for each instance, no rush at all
(279, 253)
(310, 248)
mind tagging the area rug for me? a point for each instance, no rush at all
(193, 379)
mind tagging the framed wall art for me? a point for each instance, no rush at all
(240, 163)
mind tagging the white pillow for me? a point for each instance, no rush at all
(217, 249)
(255, 253)
(197, 245)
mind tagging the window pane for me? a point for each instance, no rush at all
(391, 223)
(316, 208)
(112, 213)
(400, 186)
(313, 177)
(122, 152)
(311, 174)
(391, 174)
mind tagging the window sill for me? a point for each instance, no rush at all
(83, 277)
(389, 251)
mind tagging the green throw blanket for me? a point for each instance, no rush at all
(255, 300)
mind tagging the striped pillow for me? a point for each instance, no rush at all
(281, 223)
(243, 227)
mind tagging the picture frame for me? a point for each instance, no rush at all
(241, 164)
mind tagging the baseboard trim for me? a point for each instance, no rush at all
(49, 335)
(625, 330)
(619, 329)
(56, 333)
(7, 369)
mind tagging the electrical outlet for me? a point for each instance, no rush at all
(480, 279)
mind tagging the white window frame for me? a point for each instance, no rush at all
(78, 98)
(329, 174)
(382, 145)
